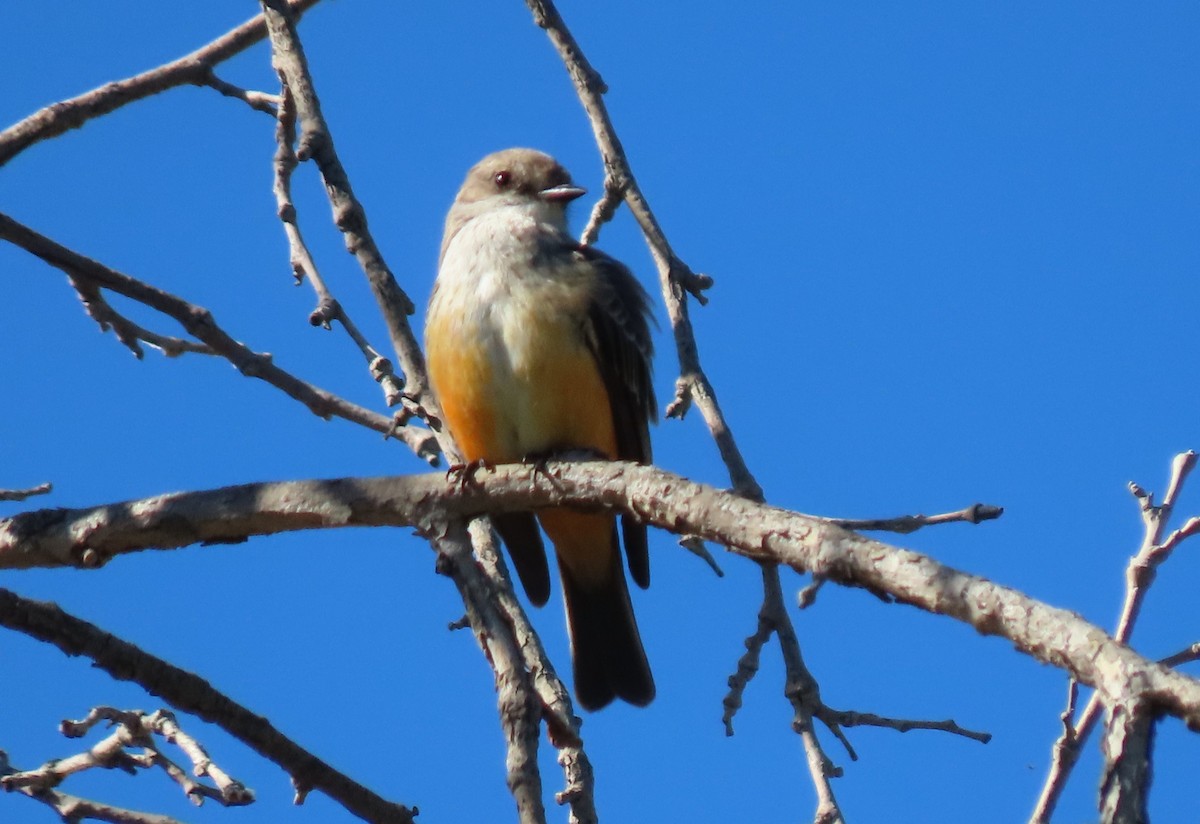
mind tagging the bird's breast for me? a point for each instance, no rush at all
(507, 350)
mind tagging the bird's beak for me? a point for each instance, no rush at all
(561, 194)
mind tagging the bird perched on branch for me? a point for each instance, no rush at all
(538, 345)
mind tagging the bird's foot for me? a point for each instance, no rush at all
(463, 474)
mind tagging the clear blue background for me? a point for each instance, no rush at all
(956, 253)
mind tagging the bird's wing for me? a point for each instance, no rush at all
(618, 334)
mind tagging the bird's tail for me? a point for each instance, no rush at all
(606, 650)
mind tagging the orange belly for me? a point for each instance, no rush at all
(530, 391)
(549, 397)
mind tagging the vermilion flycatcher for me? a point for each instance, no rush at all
(537, 345)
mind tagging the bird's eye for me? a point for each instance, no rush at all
(502, 179)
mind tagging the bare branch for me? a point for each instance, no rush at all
(191, 69)
(73, 808)
(904, 524)
(675, 278)
(135, 729)
(1184, 656)
(1139, 575)
(800, 687)
(850, 718)
(192, 694)
(747, 667)
(1128, 740)
(231, 791)
(562, 726)
(129, 333)
(199, 322)
(520, 711)
(660, 498)
(22, 494)
(259, 101)
(697, 547)
(804, 693)
(328, 308)
(316, 142)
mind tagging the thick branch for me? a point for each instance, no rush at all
(764, 533)
(520, 711)
(1128, 741)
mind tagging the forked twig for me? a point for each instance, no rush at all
(1139, 576)
(190, 693)
(192, 69)
(199, 322)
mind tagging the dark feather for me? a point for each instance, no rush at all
(606, 650)
(619, 335)
(519, 531)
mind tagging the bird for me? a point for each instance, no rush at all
(537, 344)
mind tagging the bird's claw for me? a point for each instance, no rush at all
(463, 474)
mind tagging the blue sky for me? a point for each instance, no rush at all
(956, 260)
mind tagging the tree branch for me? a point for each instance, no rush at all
(1139, 576)
(192, 694)
(72, 808)
(763, 533)
(1128, 741)
(303, 266)
(192, 69)
(675, 278)
(22, 494)
(200, 323)
(135, 729)
(316, 142)
(905, 524)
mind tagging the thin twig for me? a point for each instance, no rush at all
(22, 494)
(131, 334)
(134, 729)
(200, 323)
(1140, 573)
(1139, 576)
(675, 277)
(73, 808)
(192, 694)
(904, 524)
(747, 666)
(698, 548)
(1184, 656)
(316, 143)
(804, 693)
(850, 718)
(191, 69)
(259, 101)
(232, 792)
(303, 266)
